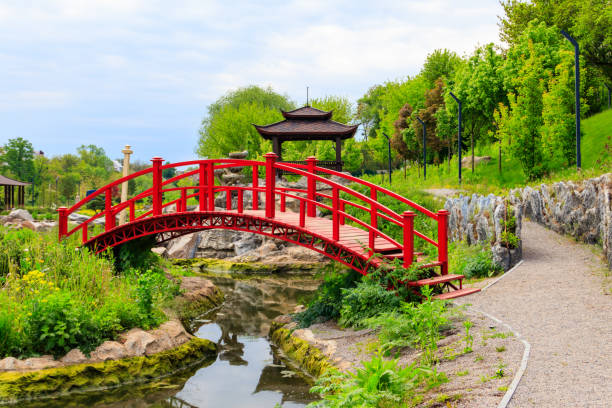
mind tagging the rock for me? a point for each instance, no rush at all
(248, 243)
(183, 247)
(20, 214)
(231, 179)
(29, 225)
(467, 161)
(175, 330)
(161, 342)
(282, 319)
(74, 356)
(43, 226)
(161, 251)
(11, 363)
(109, 350)
(501, 256)
(39, 363)
(299, 309)
(136, 342)
(238, 155)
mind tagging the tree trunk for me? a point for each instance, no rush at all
(472, 141)
(499, 166)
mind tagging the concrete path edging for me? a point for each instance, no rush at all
(519, 374)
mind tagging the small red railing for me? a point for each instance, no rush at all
(309, 200)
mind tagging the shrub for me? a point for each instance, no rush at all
(54, 324)
(366, 300)
(327, 300)
(379, 383)
(136, 254)
(481, 265)
(415, 325)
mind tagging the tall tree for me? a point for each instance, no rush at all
(590, 21)
(441, 63)
(19, 157)
(479, 86)
(228, 125)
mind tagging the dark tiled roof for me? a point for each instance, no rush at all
(307, 112)
(306, 128)
(5, 181)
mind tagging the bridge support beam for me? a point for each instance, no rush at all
(443, 240)
(270, 184)
(311, 209)
(408, 251)
(157, 185)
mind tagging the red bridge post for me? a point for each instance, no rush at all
(202, 183)
(255, 193)
(335, 214)
(408, 238)
(63, 222)
(443, 240)
(373, 220)
(210, 184)
(311, 209)
(157, 185)
(270, 184)
(109, 216)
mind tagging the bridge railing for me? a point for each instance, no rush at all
(309, 199)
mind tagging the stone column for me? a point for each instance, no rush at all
(124, 186)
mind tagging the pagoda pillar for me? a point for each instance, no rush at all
(276, 147)
(338, 154)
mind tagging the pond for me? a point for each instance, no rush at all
(247, 372)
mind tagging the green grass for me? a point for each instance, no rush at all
(596, 147)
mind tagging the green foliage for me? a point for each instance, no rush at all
(415, 325)
(19, 158)
(480, 265)
(440, 64)
(468, 338)
(56, 297)
(366, 300)
(379, 383)
(136, 254)
(228, 126)
(327, 301)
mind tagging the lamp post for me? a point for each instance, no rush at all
(609, 89)
(577, 86)
(424, 149)
(459, 133)
(124, 186)
(389, 153)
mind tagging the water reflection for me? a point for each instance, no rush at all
(246, 373)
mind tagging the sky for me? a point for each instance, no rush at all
(142, 72)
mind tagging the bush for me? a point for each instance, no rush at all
(481, 265)
(56, 296)
(327, 301)
(379, 383)
(415, 325)
(366, 300)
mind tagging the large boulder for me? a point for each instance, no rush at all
(21, 215)
(183, 247)
(109, 350)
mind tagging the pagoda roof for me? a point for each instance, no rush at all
(307, 112)
(5, 181)
(307, 123)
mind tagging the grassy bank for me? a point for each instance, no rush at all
(596, 147)
(55, 297)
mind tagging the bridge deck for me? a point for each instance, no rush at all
(350, 237)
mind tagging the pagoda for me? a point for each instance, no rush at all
(308, 123)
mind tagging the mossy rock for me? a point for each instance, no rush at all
(56, 382)
(188, 309)
(307, 357)
(245, 270)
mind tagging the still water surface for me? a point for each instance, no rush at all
(247, 372)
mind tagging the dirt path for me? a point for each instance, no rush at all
(556, 301)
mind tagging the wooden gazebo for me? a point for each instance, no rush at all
(9, 192)
(308, 123)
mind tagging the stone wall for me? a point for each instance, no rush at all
(479, 219)
(580, 209)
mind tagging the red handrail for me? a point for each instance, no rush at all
(309, 199)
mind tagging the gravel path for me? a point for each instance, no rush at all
(556, 301)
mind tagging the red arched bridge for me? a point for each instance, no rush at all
(341, 234)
